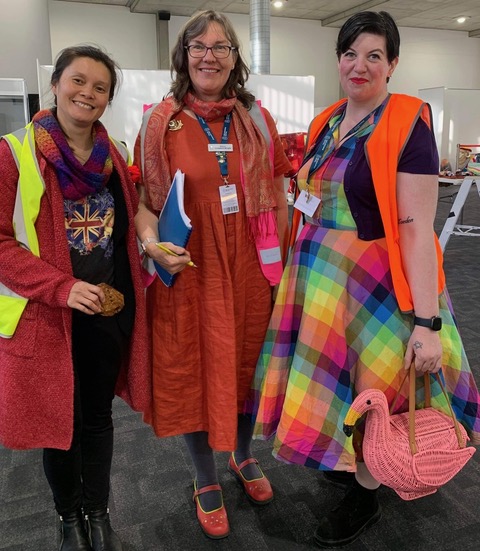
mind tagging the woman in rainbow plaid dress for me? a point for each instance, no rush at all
(363, 294)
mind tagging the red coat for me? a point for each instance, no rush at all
(36, 370)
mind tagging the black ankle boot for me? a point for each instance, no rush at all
(341, 479)
(357, 511)
(100, 533)
(74, 535)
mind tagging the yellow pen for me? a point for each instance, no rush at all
(168, 251)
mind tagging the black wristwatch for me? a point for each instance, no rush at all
(434, 323)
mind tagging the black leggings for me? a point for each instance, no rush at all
(80, 476)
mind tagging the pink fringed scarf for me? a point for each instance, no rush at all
(257, 172)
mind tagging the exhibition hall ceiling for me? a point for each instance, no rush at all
(428, 14)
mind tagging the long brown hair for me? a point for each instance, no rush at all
(196, 26)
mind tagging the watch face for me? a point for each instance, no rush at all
(436, 323)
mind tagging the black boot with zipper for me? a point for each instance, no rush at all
(100, 532)
(74, 535)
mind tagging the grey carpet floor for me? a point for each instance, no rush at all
(151, 505)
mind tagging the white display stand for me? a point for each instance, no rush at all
(14, 112)
(451, 227)
(290, 99)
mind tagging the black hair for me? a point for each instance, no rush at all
(381, 24)
(196, 26)
(68, 55)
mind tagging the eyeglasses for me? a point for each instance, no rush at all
(219, 51)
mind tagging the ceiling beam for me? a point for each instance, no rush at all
(343, 14)
(474, 33)
(132, 4)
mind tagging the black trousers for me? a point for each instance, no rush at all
(80, 476)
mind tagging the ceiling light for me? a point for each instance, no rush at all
(462, 18)
(277, 3)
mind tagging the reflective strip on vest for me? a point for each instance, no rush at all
(30, 190)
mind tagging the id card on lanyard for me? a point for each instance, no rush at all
(306, 202)
(227, 191)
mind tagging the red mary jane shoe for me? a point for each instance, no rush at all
(213, 523)
(258, 490)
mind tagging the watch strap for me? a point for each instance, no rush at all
(146, 241)
(434, 323)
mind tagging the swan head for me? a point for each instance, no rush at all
(365, 401)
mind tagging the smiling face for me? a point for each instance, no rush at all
(364, 68)
(82, 93)
(209, 75)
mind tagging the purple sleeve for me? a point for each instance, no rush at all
(420, 155)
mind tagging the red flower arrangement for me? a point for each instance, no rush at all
(135, 173)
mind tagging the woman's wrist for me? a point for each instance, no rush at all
(146, 242)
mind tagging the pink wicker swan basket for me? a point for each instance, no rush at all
(414, 453)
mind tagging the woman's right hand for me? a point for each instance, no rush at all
(172, 263)
(86, 298)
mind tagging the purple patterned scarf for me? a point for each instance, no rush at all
(76, 180)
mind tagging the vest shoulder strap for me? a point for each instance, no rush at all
(15, 142)
(259, 119)
(143, 131)
(123, 150)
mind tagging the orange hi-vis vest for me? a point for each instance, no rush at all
(383, 150)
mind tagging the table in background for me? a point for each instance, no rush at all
(451, 227)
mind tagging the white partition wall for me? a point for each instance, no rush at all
(456, 119)
(289, 99)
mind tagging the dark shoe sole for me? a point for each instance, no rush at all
(210, 537)
(321, 542)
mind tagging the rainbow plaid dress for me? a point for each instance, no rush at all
(336, 330)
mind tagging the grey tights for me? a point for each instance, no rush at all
(204, 461)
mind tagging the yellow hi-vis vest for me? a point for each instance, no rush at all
(30, 189)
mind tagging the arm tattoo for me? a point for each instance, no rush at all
(406, 220)
(417, 345)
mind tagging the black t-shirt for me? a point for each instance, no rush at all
(89, 225)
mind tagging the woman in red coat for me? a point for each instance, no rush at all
(65, 358)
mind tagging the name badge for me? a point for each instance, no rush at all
(270, 256)
(220, 147)
(307, 204)
(229, 199)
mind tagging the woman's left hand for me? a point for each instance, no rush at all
(425, 348)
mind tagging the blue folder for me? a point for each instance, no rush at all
(173, 223)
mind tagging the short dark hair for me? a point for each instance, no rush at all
(380, 23)
(196, 26)
(68, 55)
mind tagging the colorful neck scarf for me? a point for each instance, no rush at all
(255, 163)
(76, 180)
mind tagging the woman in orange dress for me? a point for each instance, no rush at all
(208, 328)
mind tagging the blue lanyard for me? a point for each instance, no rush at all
(221, 155)
(322, 150)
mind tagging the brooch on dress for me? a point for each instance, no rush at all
(174, 125)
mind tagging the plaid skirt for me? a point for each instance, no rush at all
(336, 330)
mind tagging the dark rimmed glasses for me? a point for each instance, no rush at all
(219, 51)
